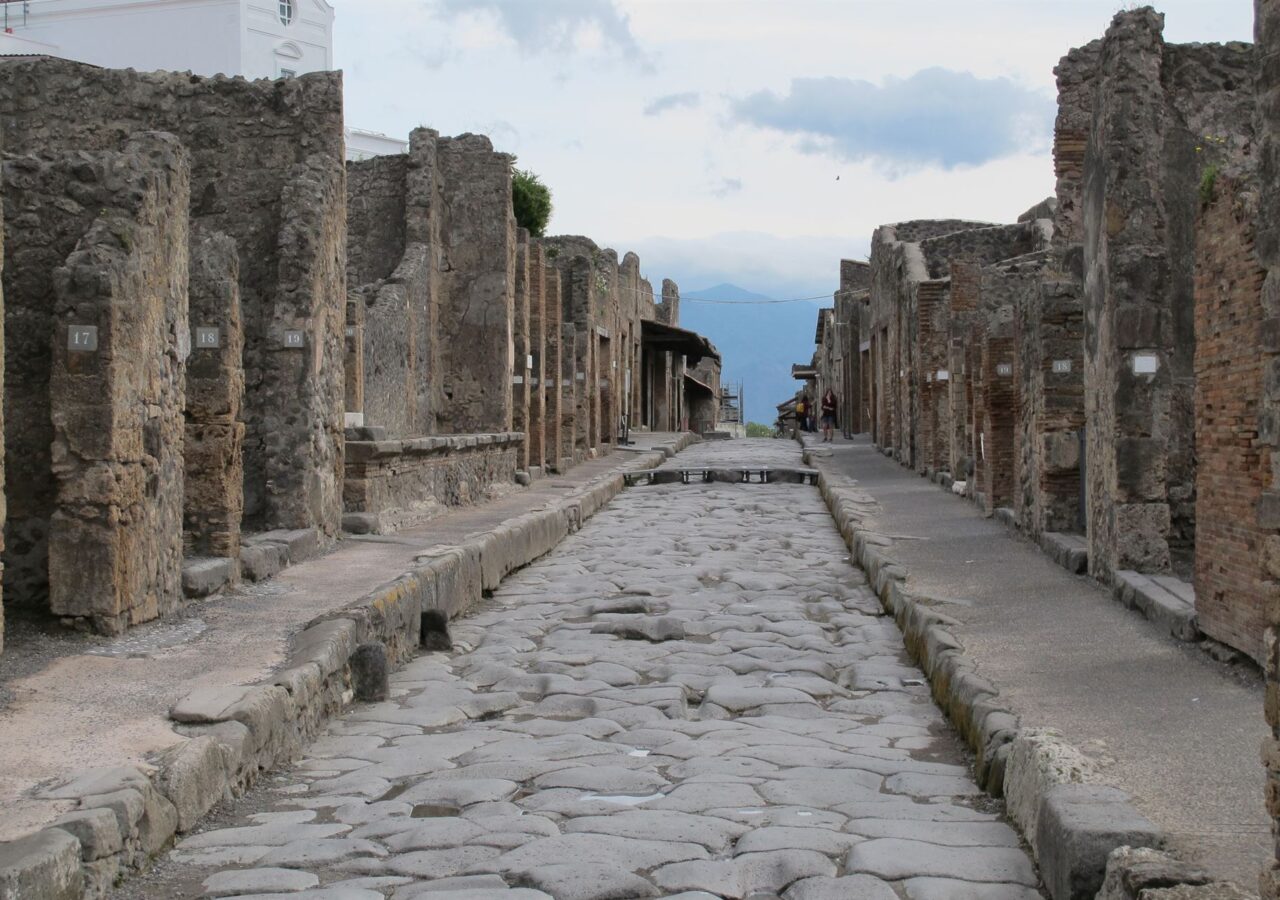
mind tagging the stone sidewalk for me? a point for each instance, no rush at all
(70, 702)
(695, 696)
(1179, 732)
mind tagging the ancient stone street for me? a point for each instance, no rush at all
(696, 695)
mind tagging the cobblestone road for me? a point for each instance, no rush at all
(696, 696)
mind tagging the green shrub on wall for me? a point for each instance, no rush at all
(531, 200)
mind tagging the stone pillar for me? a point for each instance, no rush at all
(1140, 186)
(538, 344)
(214, 500)
(553, 383)
(478, 246)
(583, 370)
(931, 359)
(354, 383)
(120, 344)
(569, 403)
(521, 370)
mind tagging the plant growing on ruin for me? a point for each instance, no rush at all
(1211, 149)
(531, 200)
(1208, 178)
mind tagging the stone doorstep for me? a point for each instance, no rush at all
(234, 732)
(204, 576)
(1165, 601)
(1075, 826)
(1068, 550)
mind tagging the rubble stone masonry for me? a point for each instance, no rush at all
(267, 171)
(213, 504)
(478, 243)
(119, 345)
(1267, 244)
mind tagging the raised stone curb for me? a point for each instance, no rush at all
(124, 816)
(1071, 825)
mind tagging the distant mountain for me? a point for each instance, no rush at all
(758, 343)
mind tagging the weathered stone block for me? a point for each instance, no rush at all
(97, 830)
(194, 777)
(1078, 828)
(44, 866)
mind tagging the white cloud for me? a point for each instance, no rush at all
(934, 117)
(557, 26)
(672, 101)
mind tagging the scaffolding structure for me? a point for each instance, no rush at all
(731, 409)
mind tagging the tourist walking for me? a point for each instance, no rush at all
(829, 404)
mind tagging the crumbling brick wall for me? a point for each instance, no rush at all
(932, 329)
(1076, 73)
(1153, 106)
(108, 330)
(266, 170)
(478, 248)
(213, 504)
(1232, 353)
(997, 412)
(1049, 331)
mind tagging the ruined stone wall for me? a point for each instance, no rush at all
(389, 293)
(1153, 107)
(42, 227)
(397, 484)
(987, 245)
(478, 258)
(376, 197)
(266, 170)
(1075, 73)
(1234, 471)
(214, 501)
(855, 283)
(116, 353)
(1267, 245)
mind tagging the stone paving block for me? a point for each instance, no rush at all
(263, 880)
(893, 859)
(1078, 827)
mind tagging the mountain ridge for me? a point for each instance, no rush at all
(757, 342)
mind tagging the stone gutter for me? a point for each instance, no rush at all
(124, 817)
(1079, 830)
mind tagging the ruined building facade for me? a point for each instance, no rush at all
(1101, 373)
(224, 345)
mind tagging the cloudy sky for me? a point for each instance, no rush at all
(749, 141)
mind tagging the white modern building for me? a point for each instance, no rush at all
(251, 38)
